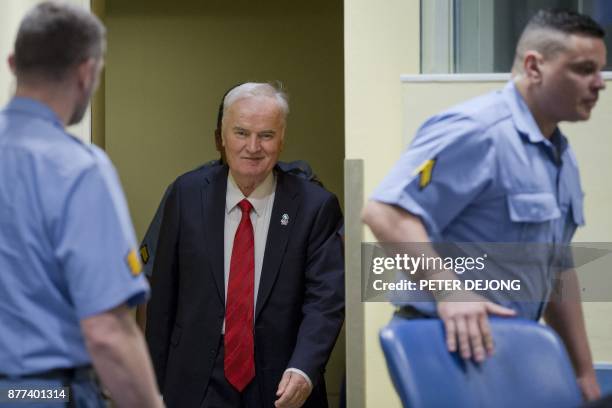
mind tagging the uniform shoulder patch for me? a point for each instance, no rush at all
(425, 171)
(133, 262)
(144, 253)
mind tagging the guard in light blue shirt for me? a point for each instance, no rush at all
(495, 170)
(483, 172)
(69, 266)
(67, 246)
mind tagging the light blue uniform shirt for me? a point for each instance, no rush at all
(494, 178)
(65, 241)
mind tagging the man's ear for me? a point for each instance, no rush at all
(86, 73)
(222, 138)
(532, 66)
(218, 140)
(11, 63)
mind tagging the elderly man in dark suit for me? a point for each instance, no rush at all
(248, 292)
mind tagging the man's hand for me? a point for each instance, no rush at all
(466, 323)
(293, 391)
(589, 387)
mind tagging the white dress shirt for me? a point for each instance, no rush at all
(262, 200)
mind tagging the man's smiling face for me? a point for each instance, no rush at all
(253, 134)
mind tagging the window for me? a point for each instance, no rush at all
(476, 36)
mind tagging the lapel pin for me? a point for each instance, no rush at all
(285, 219)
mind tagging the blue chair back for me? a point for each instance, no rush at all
(529, 368)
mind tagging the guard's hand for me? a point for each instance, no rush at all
(293, 390)
(466, 324)
(589, 386)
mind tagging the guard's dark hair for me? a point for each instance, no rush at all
(54, 37)
(566, 21)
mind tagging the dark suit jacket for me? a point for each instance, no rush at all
(300, 303)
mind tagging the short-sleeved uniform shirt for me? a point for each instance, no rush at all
(483, 172)
(67, 246)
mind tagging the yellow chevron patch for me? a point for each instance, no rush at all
(425, 171)
(134, 262)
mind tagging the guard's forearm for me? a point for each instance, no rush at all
(564, 314)
(392, 224)
(398, 228)
(120, 357)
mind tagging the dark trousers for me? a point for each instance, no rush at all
(221, 394)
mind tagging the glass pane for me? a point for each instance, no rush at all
(601, 11)
(485, 32)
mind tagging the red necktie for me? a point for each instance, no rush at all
(239, 361)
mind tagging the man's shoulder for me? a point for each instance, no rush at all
(471, 122)
(310, 190)
(481, 112)
(199, 174)
(63, 154)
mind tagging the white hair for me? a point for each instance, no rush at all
(250, 89)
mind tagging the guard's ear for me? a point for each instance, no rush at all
(11, 63)
(87, 72)
(532, 66)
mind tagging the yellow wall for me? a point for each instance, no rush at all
(381, 42)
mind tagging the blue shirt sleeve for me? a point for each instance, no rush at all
(95, 242)
(449, 163)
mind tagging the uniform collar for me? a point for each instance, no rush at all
(525, 122)
(33, 107)
(257, 198)
(523, 119)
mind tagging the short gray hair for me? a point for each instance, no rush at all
(250, 89)
(53, 37)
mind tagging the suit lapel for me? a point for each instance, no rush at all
(285, 208)
(213, 218)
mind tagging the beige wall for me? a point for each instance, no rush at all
(11, 13)
(381, 42)
(169, 63)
